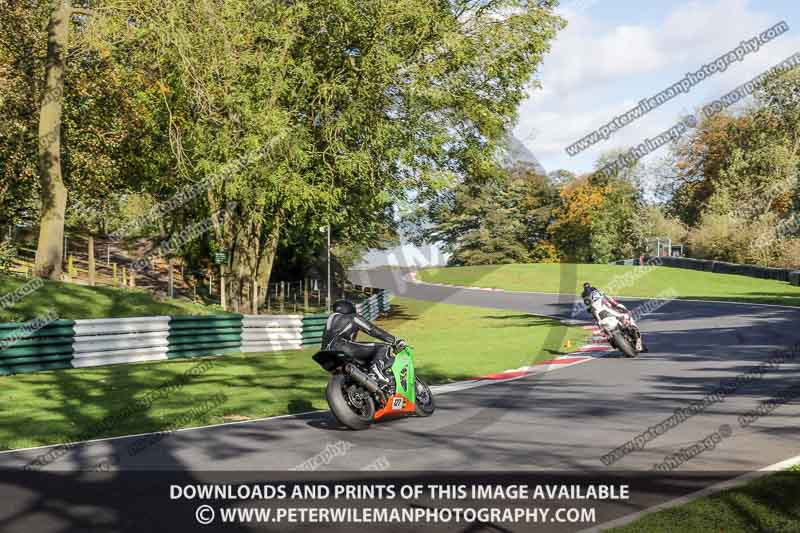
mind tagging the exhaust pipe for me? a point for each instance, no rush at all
(364, 380)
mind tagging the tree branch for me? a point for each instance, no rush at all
(83, 11)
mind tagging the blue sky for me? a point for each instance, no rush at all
(614, 53)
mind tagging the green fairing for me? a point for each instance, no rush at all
(405, 360)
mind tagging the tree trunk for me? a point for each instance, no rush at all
(244, 265)
(252, 258)
(50, 249)
(267, 258)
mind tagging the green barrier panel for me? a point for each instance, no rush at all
(37, 359)
(196, 336)
(313, 327)
(205, 322)
(193, 339)
(57, 328)
(43, 341)
(47, 348)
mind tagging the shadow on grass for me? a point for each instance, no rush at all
(523, 320)
(400, 312)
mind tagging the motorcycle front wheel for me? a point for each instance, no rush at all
(426, 405)
(622, 344)
(351, 404)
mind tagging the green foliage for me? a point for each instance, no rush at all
(306, 113)
(8, 252)
(597, 218)
(349, 104)
(737, 179)
(653, 221)
(504, 220)
(22, 44)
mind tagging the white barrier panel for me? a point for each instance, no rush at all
(271, 333)
(266, 321)
(109, 341)
(112, 357)
(99, 343)
(110, 326)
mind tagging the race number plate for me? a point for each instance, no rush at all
(397, 403)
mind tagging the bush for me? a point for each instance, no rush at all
(789, 254)
(544, 252)
(653, 222)
(713, 238)
(724, 237)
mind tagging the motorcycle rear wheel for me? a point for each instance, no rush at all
(350, 403)
(622, 344)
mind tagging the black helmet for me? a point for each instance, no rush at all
(344, 307)
(587, 289)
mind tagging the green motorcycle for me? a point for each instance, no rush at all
(358, 397)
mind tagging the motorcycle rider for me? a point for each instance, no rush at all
(340, 334)
(591, 295)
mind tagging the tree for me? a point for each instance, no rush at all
(503, 220)
(571, 231)
(346, 104)
(50, 248)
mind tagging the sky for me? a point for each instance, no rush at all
(614, 53)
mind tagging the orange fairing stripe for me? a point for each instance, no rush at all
(408, 407)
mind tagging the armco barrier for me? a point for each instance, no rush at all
(719, 267)
(48, 348)
(313, 327)
(96, 342)
(108, 341)
(197, 336)
(264, 333)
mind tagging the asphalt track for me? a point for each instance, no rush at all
(562, 420)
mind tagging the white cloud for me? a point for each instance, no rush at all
(596, 71)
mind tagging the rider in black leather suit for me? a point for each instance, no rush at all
(340, 336)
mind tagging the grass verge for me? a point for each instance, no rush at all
(73, 301)
(767, 504)
(451, 342)
(688, 284)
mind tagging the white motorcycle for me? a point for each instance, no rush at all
(619, 326)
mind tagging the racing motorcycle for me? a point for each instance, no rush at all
(619, 327)
(359, 395)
